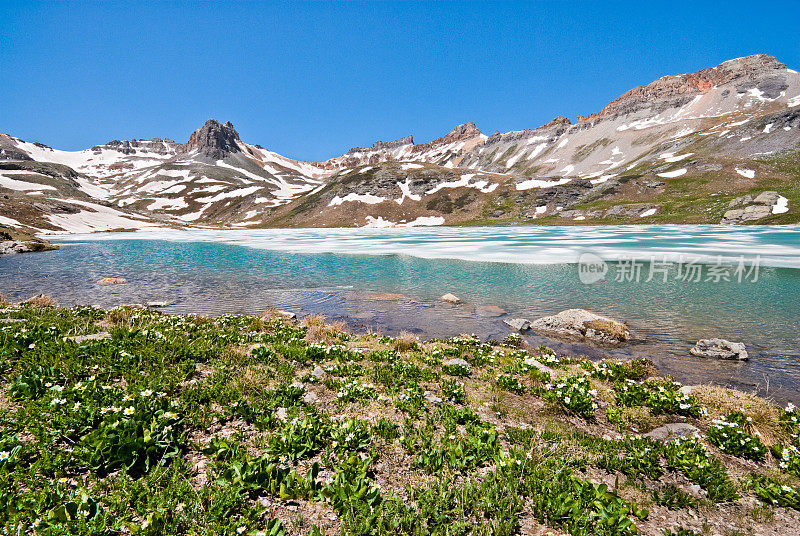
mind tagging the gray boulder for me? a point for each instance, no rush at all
(451, 298)
(673, 430)
(719, 349)
(432, 398)
(318, 372)
(582, 324)
(455, 361)
(766, 198)
(519, 324)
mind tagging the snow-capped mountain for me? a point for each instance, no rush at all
(698, 147)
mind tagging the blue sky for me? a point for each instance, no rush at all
(311, 80)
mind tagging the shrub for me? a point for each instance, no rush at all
(660, 396)
(454, 391)
(775, 494)
(353, 390)
(575, 394)
(728, 435)
(40, 301)
(406, 341)
(511, 383)
(457, 369)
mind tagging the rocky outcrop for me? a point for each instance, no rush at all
(214, 140)
(464, 132)
(13, 240)
(383, 146)
(582, 324)
(129, 147)
(749, 208)
(719, 349)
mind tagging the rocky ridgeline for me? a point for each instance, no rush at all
(691, 148)
(680, 89)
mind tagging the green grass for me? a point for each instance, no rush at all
(191, 425)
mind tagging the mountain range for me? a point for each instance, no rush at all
(721, 145)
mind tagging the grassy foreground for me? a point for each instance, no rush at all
(261, 425)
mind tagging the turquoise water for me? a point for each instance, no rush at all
(527, 271)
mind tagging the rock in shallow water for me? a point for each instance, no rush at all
(719, 349)
(585, 325)
(112, 281)
(451, 298)
(520, 324)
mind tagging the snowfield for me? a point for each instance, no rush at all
(672, 174)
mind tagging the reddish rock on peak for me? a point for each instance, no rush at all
(683, 86)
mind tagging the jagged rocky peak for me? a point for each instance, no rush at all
(678, 89)
(384, 145)
(559, 121)
(214, 140)
(462, 132)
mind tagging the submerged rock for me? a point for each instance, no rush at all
(519, 324)
(158, 304)
(584, 324)
(112, 281)
(451, 298)
(719, 349)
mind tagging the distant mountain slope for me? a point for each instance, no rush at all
(718, 145)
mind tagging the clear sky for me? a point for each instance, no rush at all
(311, 80)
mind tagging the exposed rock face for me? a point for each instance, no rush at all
(128, 147)
(582, 324)
(681, 88)
(383, 145)
(13, 240)
(93, 337)
(719, 349)
(699, 128)
(451, 298)
(467, 131)
(214, 140)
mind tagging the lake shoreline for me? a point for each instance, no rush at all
(391, 314)
(290, 414)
